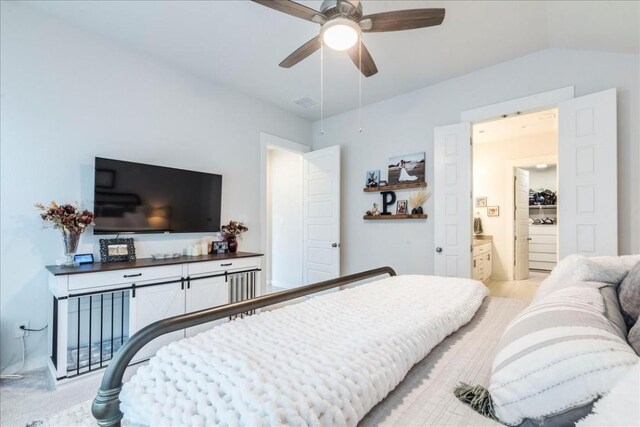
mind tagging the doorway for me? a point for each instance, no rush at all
(299, 213)
(515, 196)
(276, 151)
(587, 153)
(284, 219)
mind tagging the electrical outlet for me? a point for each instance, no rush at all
(19, 332)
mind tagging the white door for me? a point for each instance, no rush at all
(154, 303)
(206, 293)
(587, 167)
(521, 223)
(321, 219)
(452, 200)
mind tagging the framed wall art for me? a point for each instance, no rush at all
(493, 210)
(406, 168)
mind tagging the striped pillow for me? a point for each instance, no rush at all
(558, 356)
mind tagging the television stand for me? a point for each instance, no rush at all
(97, 307)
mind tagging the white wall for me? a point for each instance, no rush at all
(285, 216)
(68, 96)
(493, 164)
(544, 178)
(405, 124)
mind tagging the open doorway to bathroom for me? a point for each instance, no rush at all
(515, 183)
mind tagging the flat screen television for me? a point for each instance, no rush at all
(138, 198)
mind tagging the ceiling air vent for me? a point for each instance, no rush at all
(305, 102)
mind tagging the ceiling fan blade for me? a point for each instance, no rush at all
(302, 52)
(295, 9)
(401, 20)
(368, 66)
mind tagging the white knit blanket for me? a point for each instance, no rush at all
(324, 362)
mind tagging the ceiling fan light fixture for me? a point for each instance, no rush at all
(340, 34)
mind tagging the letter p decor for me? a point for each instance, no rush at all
(388, 199)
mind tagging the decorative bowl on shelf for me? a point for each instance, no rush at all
(166, 256)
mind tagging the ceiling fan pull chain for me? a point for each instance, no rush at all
(360, 85)
(321, 87)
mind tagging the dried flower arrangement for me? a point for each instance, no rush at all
(66, 217)
(72, 221)
(234, 229)
(418, 199)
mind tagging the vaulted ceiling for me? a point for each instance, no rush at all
(240, 44)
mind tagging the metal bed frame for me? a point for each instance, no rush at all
(106, 405)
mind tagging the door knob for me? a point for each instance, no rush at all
(529, 238)
(335, 245)
(438, 249)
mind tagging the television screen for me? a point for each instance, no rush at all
(137, 198)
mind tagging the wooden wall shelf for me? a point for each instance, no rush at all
(388, 217)
(395, 187)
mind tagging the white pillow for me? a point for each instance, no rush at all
(608, 269)
(562, 275)
(579, 268)
(619, 407)
(556, 358)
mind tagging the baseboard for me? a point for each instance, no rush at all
(30, 364)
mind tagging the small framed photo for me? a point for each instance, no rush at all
(221, 247)
(401, 207)
(493, 210)
(117, 250)
(373, 178)
(481, 202)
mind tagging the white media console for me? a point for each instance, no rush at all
(97, 307)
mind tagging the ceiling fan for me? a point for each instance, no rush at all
(342, 24)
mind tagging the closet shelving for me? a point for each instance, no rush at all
(543, 207)
(543, 249)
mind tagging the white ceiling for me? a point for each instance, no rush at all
(240, 43)
(522, 126)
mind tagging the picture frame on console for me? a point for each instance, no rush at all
(221, 247)
(117, 250)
